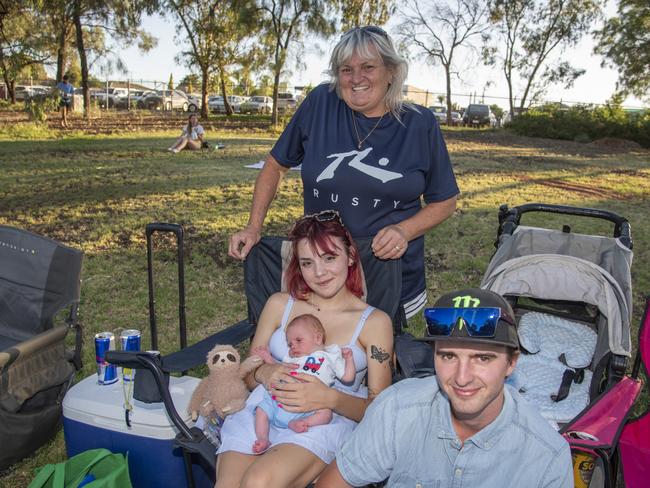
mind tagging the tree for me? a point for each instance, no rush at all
(287, 21)
(438, 29)
(170, 83)
(529, 31)
(365, 12)
(217, 34)
(23, 41)
(624, 42)
(120, 18)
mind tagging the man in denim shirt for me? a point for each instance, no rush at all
(462, 427)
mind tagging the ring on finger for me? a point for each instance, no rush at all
(397, 248)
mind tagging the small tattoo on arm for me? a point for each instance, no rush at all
(378, 353)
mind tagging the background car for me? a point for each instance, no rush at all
(440, 112)
(287, 102)
(478, 115)
(134, 97)
(217, 105)
(166, 100)
(257, 105)
(26, 92)
(108, 97)
(456, 119)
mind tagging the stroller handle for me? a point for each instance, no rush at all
(510, 218)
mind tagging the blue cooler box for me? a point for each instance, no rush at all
(93, 417)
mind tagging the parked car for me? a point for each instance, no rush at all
(456, 119)
(166, 100)
(108, 97)
(26, 92)
(440, 112)
(479, 115)
(217, 105)
(195, 102)
(287, 102)
(135, 96)
(257, 105)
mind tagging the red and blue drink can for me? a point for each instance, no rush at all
(106, 372)
(129, 341)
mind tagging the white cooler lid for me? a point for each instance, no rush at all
(103, 406)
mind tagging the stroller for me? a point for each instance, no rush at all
(572, 295)
(263, 276)
(38, 279)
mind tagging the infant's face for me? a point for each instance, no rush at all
(302, 340)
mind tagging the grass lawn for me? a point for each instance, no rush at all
(97, 193)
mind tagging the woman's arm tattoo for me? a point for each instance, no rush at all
(378, 354)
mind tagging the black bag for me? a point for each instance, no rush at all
(205, 145)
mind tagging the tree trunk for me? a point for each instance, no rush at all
(226, 103)
(60, 53)
(82, 57)
(10, 84)
(204, 93)
(448, 81)
(276, 85)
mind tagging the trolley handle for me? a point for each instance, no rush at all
(178, 231)
(510, 218)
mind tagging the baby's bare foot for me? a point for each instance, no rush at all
(260, 445)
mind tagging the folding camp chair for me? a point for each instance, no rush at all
(262, 277)
(38, 279)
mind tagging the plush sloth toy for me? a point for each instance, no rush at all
(223, 391)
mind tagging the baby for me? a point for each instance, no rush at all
(305, 338)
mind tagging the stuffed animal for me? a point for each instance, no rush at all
(223, 391)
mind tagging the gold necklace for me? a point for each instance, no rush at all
(311, 300)
(356, 131)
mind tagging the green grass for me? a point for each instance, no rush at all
(97, 193)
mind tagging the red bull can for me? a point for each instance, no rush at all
(106, 372)
(130, 341)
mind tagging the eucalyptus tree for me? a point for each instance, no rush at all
(624, 42)
(438, 29)
(528, 33)
(218, 38)
(121, 19)
(355, 13)
(285, 23)
(23, 40)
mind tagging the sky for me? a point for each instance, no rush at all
(595, 86)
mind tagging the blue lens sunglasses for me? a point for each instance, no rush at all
(479, 322)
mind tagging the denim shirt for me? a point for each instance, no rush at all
(407, 436)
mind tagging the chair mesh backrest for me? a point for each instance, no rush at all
(264, 269)
(38, 277)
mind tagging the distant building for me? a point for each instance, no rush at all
(420, 96)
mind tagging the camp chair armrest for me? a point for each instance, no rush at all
(33, 345)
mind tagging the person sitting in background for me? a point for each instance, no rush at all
(462, 427)
(191, 138)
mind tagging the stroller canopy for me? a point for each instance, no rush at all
(553, 265)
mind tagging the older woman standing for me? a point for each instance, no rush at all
(366, 154)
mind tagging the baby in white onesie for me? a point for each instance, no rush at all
(305, 338)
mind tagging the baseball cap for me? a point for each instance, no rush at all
(474, 315)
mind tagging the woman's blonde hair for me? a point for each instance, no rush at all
(360, 40)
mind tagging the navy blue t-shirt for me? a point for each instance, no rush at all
(380, 184)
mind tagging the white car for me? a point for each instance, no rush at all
(217, 105)
(257, 105)
(287, 102)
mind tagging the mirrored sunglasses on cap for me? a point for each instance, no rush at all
(373, 29)
(324, 216)
(479, 322)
